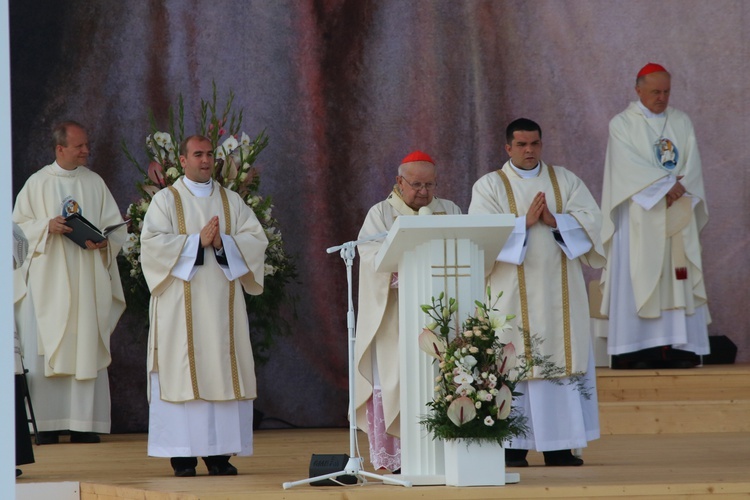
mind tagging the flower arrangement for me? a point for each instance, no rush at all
(235, 153)
(478, 374)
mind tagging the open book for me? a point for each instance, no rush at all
(84, 230)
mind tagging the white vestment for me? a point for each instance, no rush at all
(376, 345)
(647, 305)
(539, 273)
(67, 300)
(199, 350)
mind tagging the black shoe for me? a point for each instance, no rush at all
(48, 437)
(516, 458)
(18, 472)
(184, 466)
(561, 458)
(218, 465)
(226, 469)
(186, 472)
(84, 437)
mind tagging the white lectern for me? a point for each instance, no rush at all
(433, 254)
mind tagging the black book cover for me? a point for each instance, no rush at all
(84, 230)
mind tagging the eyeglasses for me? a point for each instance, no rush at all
(418, 186)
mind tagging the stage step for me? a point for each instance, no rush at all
(712, 398)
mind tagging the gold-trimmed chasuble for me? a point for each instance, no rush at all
(188, 300)
(522, 290)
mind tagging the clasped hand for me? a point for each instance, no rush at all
(539, 211)
(210, 235)
(676, 192)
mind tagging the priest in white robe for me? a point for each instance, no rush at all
(655, 207)
(201, 248)
(376, 344)
(68, 299)
(539, 273)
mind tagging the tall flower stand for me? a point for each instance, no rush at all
(472, 463)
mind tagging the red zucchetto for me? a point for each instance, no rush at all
(651, 68)
(417, 156)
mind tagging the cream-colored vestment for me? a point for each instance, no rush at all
(377, 321)
(645, 242)
(199, 345)
(545, 289)
(68, 299)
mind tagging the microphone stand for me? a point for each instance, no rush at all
(354, 465)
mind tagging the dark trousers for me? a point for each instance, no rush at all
(24, 451)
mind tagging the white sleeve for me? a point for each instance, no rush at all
(650, 195)
(185, 267)
(236, 267)
(573, 239)
(514, 250)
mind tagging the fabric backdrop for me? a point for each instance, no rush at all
(345, 88)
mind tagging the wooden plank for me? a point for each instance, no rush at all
(617, 466)
(674, 418)
(678, 393)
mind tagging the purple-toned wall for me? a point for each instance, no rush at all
(345, 89)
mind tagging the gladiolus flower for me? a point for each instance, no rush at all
(162, 138)
(230, 144)
(461, 411)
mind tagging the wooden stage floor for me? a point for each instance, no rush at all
(617, 466)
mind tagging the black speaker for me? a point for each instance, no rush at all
(723, 351)
(325, 464)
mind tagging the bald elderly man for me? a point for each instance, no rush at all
(654, 207)
(376, 346)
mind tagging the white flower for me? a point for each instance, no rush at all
(129, 244)
(488, 421)
(143, 206)
(245, 142)
(499, 322)
(465, 390)
(468, 361)
(243, 176)
(463, 378)
(461, 411)
(468, 333)
(162, 139)
(269, 270)
(477, 404)
(173, 173)
(230, 144)
(473, 349)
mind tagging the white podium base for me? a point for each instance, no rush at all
(439, 480)
(419, 479)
